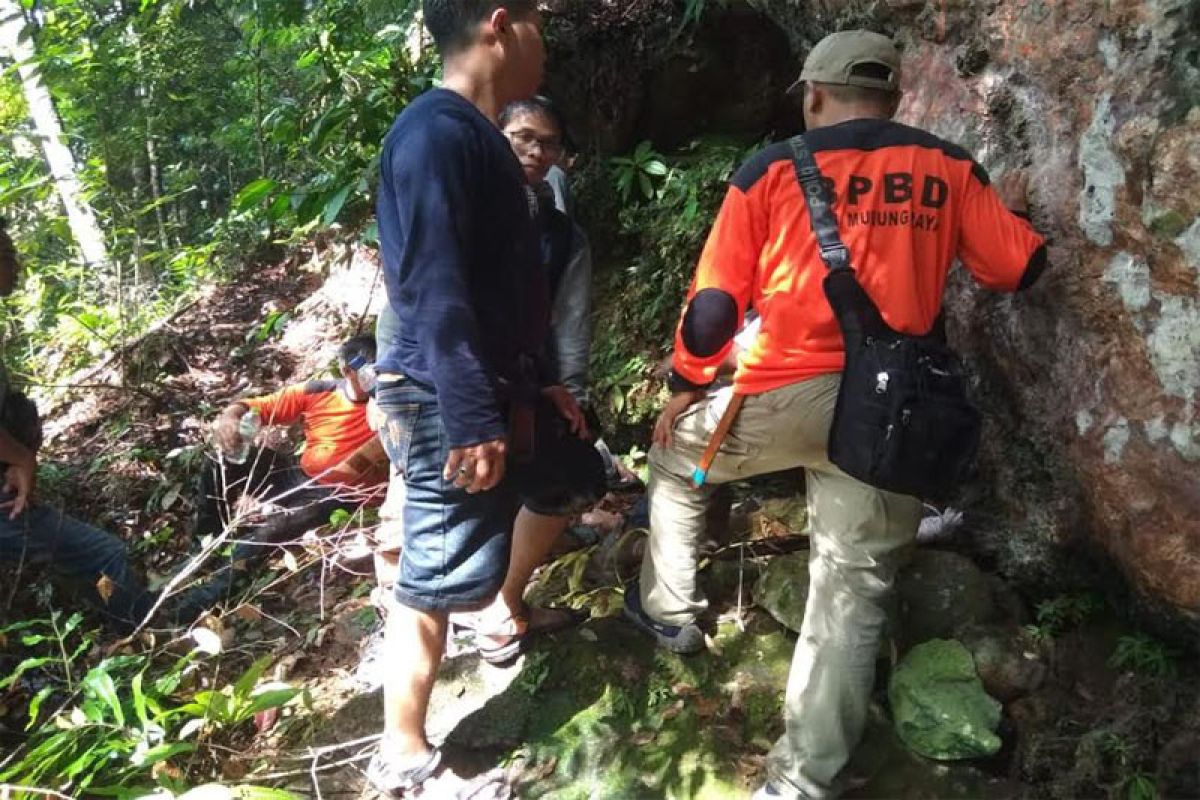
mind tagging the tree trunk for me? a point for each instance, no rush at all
(59, 159)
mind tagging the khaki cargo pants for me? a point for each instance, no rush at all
(860, 537)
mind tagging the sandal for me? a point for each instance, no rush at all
(393, 780)
(501, 649)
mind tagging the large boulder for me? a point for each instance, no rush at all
(939, 593)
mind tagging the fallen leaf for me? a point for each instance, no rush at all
(248, 613)
(289, 561)
(105, 587)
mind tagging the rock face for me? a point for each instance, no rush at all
(1091, 380)
(629, 71)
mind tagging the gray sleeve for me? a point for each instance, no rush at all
(572, 318)
(557, 178)
(387, 328)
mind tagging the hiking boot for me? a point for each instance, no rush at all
(685, 639)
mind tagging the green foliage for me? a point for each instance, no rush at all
(639, 173)
(667, 207)
(105, 733)
(237, 703)
(534, 672)
(1140, 786)
(693, 10)
(1059, 614)
(200, 130)
(1145, 655)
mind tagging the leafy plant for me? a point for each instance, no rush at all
(662, 223)
(110, 730)
(237, 703)
(1140, 786)
(1145, 655)
(640, 171)
(693, 10)
(1059, 614)
(103, 737)
(535, 672)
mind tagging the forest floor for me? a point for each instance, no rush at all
(595, 712)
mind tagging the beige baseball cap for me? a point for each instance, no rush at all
(834, 58)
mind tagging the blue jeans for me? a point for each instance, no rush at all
(81, 554)
(456, 544)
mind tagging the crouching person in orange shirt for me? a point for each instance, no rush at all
(342, 466)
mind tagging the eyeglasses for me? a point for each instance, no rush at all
(526, 139)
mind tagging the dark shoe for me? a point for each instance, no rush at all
(685, 640)
(392, 779)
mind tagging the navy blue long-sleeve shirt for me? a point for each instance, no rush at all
(460, 261)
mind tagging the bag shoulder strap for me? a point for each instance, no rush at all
(820, 209)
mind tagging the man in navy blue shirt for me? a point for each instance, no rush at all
(463, 274)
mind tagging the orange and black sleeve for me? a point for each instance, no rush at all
(1000, 247)
(283, 407)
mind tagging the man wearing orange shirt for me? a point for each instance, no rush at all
(342, 466)
(907, 205)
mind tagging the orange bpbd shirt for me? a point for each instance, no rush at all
(334, 426)
(907, 204)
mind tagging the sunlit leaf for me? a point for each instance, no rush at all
(253, 193)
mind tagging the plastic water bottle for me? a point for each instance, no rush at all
(248, 427)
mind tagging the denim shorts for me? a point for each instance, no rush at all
(456, 544)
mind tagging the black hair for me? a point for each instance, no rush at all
(539, 105)
(359, 346)
(452, 23)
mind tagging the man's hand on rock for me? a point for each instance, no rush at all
(477, 468)
(665, 427)
(568, 407)
(1013, 188)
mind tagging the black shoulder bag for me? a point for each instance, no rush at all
(903, 420)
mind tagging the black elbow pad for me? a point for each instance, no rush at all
(709, 322)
